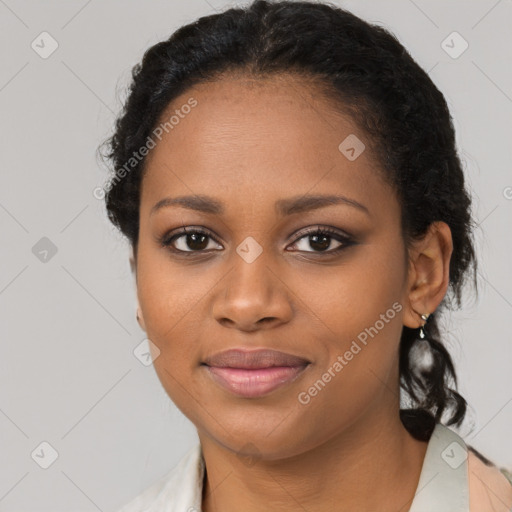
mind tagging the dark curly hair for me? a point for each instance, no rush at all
(365, 71)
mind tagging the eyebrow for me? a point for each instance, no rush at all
(290, 206)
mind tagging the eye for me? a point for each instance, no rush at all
(195, 240)
(320, 239)
(192, 238)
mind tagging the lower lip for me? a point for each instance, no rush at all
(254, 383)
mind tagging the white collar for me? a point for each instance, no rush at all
(443, 484)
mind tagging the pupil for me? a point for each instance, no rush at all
(324, 245)
(194, 237)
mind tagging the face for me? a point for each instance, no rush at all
(252, 275)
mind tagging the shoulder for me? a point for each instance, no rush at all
(179, 489)
(147, 497)
(490, 487)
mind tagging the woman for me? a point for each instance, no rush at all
(288, 180)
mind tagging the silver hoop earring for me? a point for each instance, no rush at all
(422, 331)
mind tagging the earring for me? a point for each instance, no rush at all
(422, 331)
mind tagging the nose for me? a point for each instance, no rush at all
(254, 298)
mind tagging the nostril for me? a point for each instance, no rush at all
(267, 319)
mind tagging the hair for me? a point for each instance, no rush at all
(365, 71)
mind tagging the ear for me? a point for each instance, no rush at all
(429, 273)
(133, 266)
(140, 318)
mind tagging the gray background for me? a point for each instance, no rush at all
(68, 373)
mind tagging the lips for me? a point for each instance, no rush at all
(254, 359)
(256, 373)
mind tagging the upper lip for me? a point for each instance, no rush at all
(253, 359)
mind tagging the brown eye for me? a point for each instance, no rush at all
(190, 240)
(320, 240)
(195, 240)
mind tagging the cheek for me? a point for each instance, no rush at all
(167, 293)
(170, 304)
(170, 313)
(357, 371)
(351, 297)
(359, 311)
(176, 301)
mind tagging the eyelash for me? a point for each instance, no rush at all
(167, 240)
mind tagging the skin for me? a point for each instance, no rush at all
(249, 143)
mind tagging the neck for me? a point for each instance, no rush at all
(374, 464)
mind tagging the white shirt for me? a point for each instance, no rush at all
(452, 477)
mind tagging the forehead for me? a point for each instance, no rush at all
(252, 139)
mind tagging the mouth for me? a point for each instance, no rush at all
(253, 359)
(254, 373)
(256, 382)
